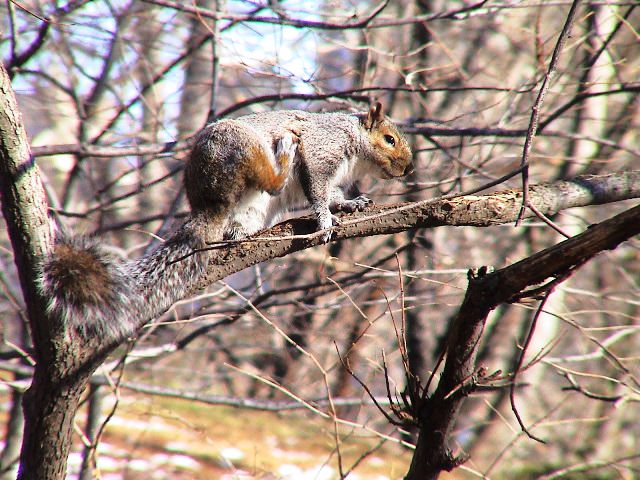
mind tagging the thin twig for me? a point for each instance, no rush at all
(535, 111)
(575, 386)
(546, 219)
(347, 367)
(527, 342)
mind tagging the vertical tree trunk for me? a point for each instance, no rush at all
(416, 329)
(50, 408)
(199, 84)
(148, 33)
(92, 427)
(50, 402)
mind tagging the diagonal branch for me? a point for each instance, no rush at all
(485, 292)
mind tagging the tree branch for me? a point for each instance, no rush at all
(485, 292)
(51, 402)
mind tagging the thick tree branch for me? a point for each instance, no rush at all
(470, 210)
(24, 204)
(51, 402)
(63, 367)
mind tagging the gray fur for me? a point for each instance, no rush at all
(93, 292)
(335, 149)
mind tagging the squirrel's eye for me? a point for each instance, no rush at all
(390, 140)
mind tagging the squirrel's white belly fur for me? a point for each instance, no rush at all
(251, 213)
(260, 210)
(291, 197)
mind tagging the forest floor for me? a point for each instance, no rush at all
(157, 438)
(186, 440)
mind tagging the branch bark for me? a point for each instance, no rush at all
(467, 210)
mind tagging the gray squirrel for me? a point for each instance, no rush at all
(242, 175)
(333, 150)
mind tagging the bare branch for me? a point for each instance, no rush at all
(487, 290)
(535, 110)
(481, 211)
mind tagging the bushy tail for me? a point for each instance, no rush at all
(98, 293)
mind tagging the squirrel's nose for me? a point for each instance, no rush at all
(408, 169)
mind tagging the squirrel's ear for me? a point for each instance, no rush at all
(375, 115)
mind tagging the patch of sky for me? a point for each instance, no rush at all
(83, 41)
(91, 31)
(281, 50)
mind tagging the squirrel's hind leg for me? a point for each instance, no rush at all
(250, 214)
(285, 154)
(260, 171)
(248, 217)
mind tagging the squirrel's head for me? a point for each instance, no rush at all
(390, 150)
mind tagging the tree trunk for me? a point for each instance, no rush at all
(94, 416)
(50, 407)
(49, 404)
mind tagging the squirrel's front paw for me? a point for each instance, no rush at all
(235, 231)
(326, 223)
(353, 205)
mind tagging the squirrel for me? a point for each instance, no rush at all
(333, 150)
(242, 174)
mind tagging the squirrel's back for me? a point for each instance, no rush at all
(335, 130)
(333, 150)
